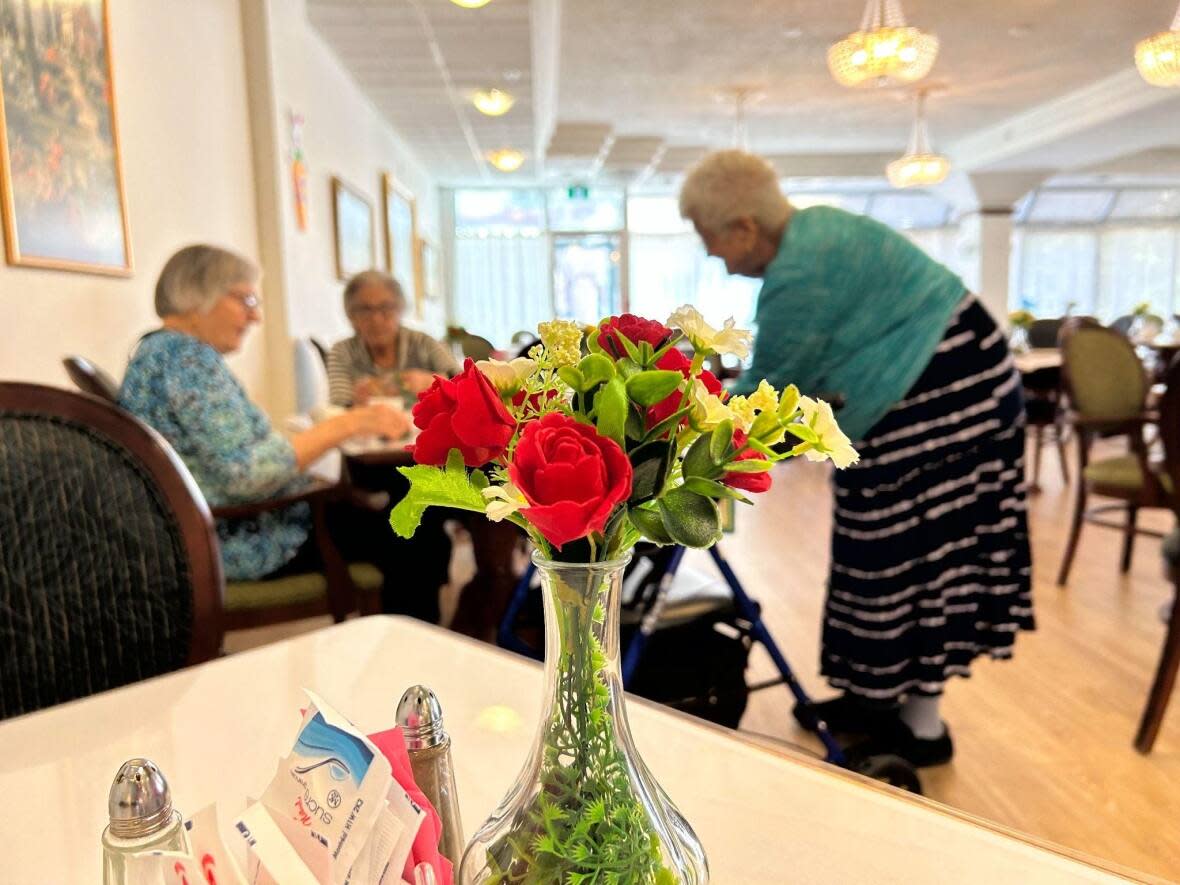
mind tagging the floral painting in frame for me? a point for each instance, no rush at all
(61, 175)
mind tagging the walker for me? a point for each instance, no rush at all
(735, 608)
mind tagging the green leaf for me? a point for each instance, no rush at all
(750, 466)
(651, 387)
(788, 403)
(636, 425)
(802, 431)
(711, 489)
(479, 479)
(691, 519)
(669, 423)
(720, 441)
(646, 354)
(573, 378)
(630, 348)
(596, 369)
(698, 462)
(611, 407)
(649, 465)
(434, 487)
(651, 525)
(767, 428)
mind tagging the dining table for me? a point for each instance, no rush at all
(765, 813)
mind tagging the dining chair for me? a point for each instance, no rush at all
(89, 378)
(1044, 332)
(1107, 389)
(1123, 324)
(1045, 416)
(1164, 681)
(109, 571)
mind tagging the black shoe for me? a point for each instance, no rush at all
(901, 741)
(848, 714)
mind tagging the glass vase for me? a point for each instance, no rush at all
(584, 808)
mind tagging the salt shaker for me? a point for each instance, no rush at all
(420, 716)
(142, 818)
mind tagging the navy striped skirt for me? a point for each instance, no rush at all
(930, 554)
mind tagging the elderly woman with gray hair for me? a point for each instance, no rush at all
(930, 563)
(178, 382)
(383, 358)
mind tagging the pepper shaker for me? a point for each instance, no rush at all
(141, 818)
(419, 715)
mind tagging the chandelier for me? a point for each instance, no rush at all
(920, 165)
(884, 50)
(493, 102)
(1158, 57)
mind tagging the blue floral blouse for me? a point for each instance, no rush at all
(183, 388)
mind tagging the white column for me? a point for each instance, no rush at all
(985, 236)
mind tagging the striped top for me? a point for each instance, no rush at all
(182, 387)
(849, 306)
(349, 361)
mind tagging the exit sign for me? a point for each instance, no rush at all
(577, 192)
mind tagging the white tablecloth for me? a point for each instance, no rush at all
(218, 730)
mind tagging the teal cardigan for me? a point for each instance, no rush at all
(849, 306)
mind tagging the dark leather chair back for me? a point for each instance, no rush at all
(109, 568)
(89, 378)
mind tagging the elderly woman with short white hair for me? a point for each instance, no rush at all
(930, 558)
(178, 382)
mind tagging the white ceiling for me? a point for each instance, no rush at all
(640, 86)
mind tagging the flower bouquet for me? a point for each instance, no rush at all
(592, 444)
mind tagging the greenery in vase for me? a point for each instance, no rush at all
(592, 444)
(586, 824)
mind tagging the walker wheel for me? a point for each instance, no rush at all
(891, 769)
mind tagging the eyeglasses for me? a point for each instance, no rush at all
(364, 311)
(248, 300)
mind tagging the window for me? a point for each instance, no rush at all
(1058, 271)
(1137, 266)
(585, 209)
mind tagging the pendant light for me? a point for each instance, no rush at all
(920, 165)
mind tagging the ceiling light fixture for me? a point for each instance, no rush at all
(920, 165)
(885, 50)
(1158, 57)
(506, 159)
(471, 4)
(493, 102)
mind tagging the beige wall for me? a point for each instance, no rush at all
(186, 160)
(205, 159)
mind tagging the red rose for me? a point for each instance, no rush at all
(674, 360)
(635, 328)
(571, 477)
(463, 413)
(749, 482)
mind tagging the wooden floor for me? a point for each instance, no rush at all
(1043, 742)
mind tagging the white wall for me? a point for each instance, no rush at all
(184, 126)
(345, 136)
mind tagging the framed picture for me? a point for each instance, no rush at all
(401, 237)
(61, 173)
(431, 283)
(352, 216)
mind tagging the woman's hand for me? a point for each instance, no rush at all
(365, 388)
(380, 420)
(416, 380)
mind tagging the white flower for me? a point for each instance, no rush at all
(832, 442)
(503, 501)
(706, 339)
(765, 398)
(507, 377)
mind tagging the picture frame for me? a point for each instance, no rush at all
(352, 220)
(62, 194)
(431, 283)
(401, 238)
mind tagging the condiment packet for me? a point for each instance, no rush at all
(332, 785)
(281, 852)
(207, 861)
(375, 857)
(411, 817)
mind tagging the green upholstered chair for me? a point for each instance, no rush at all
(336, 590)
(1107, 388)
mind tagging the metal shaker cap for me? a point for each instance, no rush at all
(140, 802)
(419, 714)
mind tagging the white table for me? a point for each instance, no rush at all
(217, 731)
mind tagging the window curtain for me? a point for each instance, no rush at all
(1057, 269)
(1137, 265)
(501, 285)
